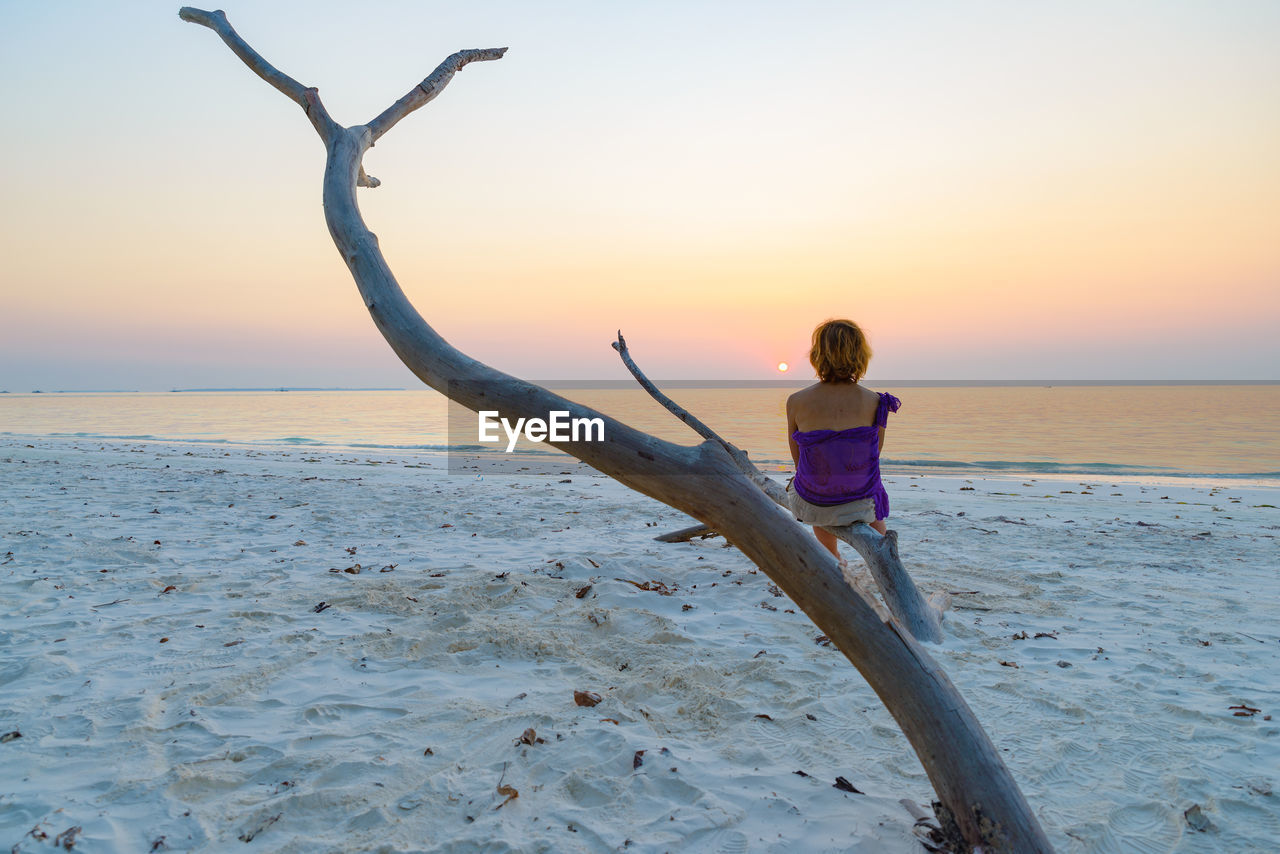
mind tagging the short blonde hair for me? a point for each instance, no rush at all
(840, 351)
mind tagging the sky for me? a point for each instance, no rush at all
(993, 190)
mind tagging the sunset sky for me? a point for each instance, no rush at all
(995, 190)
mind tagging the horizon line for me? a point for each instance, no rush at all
(686, 383)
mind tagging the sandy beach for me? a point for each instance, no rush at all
(204, 646)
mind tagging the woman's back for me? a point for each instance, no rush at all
(839, 464)
(835, 429)
(832, 406)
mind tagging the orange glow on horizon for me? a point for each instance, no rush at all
(977, 223)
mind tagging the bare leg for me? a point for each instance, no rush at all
(828, 540)
(879, 526)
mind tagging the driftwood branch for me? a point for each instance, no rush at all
(974, 787)
(306, 98)
(684, 535)
(429, 88)
(922, 618)
(739, 456)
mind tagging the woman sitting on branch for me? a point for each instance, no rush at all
(835, 428)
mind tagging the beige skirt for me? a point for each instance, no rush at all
(862, 510)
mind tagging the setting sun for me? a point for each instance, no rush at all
(783, 367)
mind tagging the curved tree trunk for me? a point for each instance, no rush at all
(979, 800)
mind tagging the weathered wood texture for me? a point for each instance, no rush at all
(684, 535)
(970, 779)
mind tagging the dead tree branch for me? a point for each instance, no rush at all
(972, 782)
(306, 98)
(736, 454)
(684, 535)
(430, 87)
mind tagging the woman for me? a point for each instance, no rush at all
(835, 428)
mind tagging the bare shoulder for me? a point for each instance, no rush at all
(801, 397)
(802, 394)
(870, 395)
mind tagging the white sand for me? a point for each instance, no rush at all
(386, 721)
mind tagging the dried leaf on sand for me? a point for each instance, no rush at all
(586, 698)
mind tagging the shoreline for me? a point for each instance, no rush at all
(260, 716)
(557, 459)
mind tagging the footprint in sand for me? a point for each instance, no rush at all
(794, 737)
(323, 714)
(729, 842)
(1142, 828)
(189, 663)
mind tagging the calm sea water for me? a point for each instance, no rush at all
(1216, 430)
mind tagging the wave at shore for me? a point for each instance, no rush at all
(889, 464)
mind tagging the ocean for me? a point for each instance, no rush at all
(1218, 430)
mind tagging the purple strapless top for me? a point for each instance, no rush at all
(839, 466)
